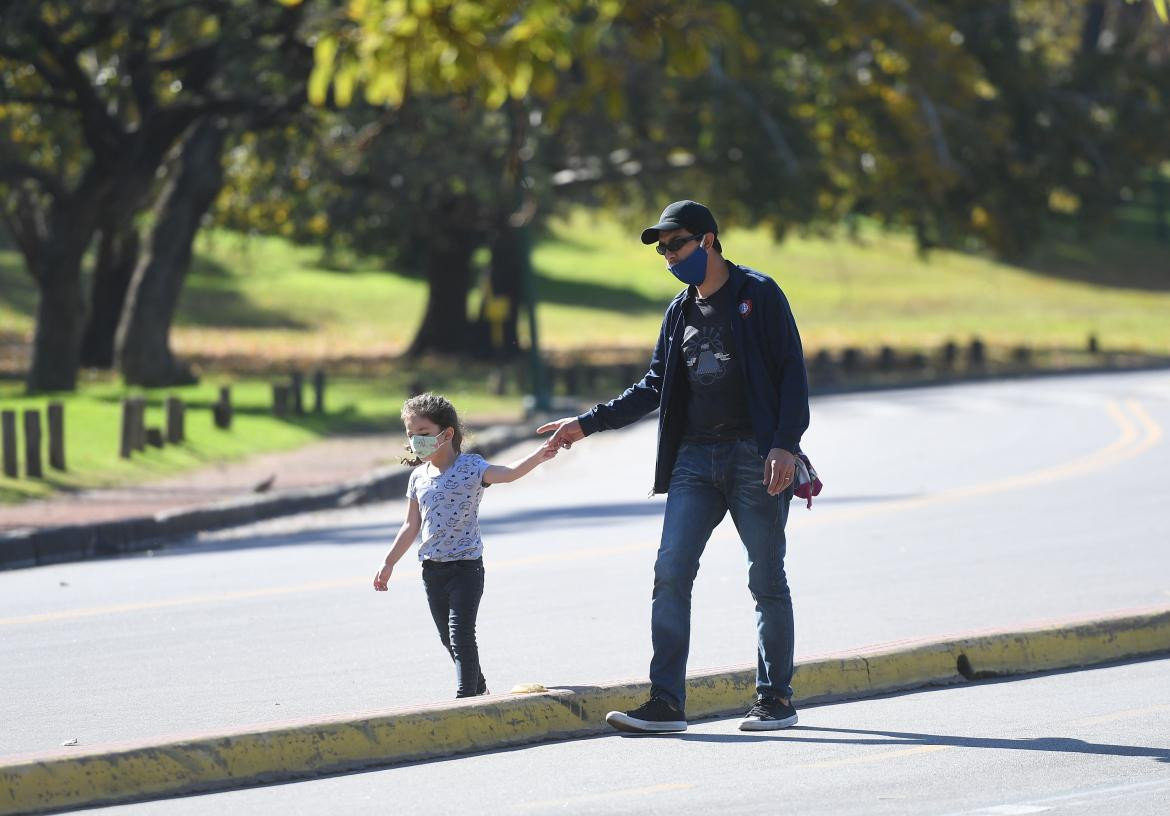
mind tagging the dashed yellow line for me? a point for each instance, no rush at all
(313, 586)
(1132, 441)
(1128, 445)
(549, 804)
(882, 756)
(1126, 714)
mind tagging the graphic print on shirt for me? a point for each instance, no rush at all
(449, 503)
(704, 354)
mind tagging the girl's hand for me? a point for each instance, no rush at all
(382, 577)
(546, 452)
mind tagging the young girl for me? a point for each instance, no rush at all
(444, 491)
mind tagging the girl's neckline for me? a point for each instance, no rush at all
(431, 466)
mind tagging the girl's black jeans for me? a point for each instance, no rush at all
(453, 592)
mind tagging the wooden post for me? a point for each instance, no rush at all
(138, 423)
(977, 353)
(1094, 344)
(280, 395)
(126, 443)
(32, 444)
(950, 353)
(296, 388)
(318, 391)
(56, 435)
(221, 412)
(8, 443)
(176, 433)
(154, 437)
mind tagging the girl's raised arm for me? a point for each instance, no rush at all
(510, 473)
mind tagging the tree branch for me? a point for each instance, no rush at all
(102, 130)
(767, 122)
(16, 171)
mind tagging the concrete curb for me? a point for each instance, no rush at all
(42, 783)
(78, 542)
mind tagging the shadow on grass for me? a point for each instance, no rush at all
(597, 296)
(208, 299)
(20, 293)
(1114, 262)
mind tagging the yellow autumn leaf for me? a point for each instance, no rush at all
(343, 84)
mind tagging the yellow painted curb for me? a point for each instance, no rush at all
(41, 783)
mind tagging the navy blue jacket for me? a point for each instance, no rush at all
(775, 382)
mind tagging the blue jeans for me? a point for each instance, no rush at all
(454, 589)
(708, 481)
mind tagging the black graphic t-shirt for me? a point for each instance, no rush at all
(716, 410)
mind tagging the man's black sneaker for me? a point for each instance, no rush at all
(656, 716)
(768, 714)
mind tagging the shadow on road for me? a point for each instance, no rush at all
(343, 534)
(910, 738)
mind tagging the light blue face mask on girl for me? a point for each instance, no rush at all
(692, 269)
(424, 446)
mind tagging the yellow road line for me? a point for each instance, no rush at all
(600, 797)
(882, 756)
(1127, 714)
(313, 586)
(1128, 445)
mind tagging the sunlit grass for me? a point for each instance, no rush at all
(93, 418)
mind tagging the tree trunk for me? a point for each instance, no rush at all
(143, 349)
(57, 340)
(1091, 28)
(117, 257)
(445, 327)
(506, 272)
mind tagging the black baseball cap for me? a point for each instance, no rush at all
(689, 215)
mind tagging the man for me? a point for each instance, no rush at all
(729, 379)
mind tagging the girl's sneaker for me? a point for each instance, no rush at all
(655, 716)
(768, 714)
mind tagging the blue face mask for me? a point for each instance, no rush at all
(692, 270)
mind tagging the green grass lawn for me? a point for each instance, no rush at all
(611, 291)
(262, 298)
(92, 422)
(256, 305)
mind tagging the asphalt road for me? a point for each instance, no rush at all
(945, 510)
(1033, 746)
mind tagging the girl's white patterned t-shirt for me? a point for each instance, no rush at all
(449, 503)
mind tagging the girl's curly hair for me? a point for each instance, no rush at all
(439, 411)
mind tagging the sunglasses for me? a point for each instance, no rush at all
(676, 243)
